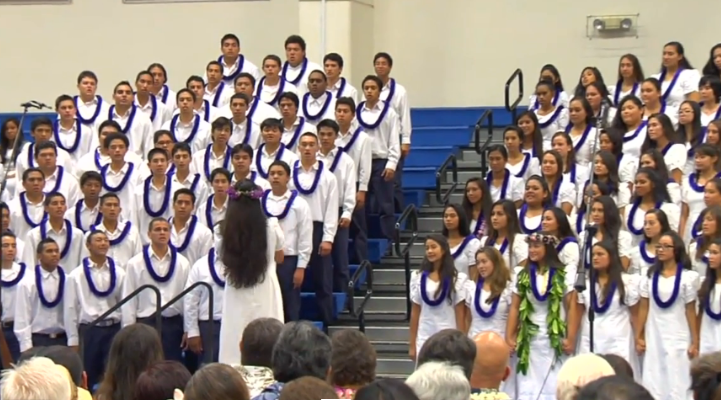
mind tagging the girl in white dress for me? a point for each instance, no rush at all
(610, 140)
(437, 295)
(488, 295)
(713, 65)
(710, 231)
(679, 81)
(9, 132)
(502, 184)
(580, 218)
(711, 197)
(543, 290)
(650, 193)
(614, 297)
(556, 223)
(588, 76)
(551, 118)
(706, 158)
(607, 219)
(563, 192)
(663, 137)
(653, 159)
(630, 121)
(713, 135)
(669, 340)
(572, 171)
(550, 73)
(709, 297)
(653, 101)
(690, 131)
(504, 234)
(536, 199)
(630, 76)
(643, 255)
(709, 88)
(605, 170)
(521, 164)
(599, 99)
(477, 204)
(251, 290)
(532, 135)
(462, 243)
(581, 130)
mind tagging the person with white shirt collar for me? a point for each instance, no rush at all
(212, 211)
(242, 159)
(56, 227)
(27, 210)
(152, 197)
(357, 144)
(258, 110)
(39, 301)
(317, 185)
(216, 91)
(94, 160)
(12, 274)
(244, 129)
(156, 111)
(164, 140)
(124, 236)
(159, 88)
(158, 264)
(70, 134)
(294, 215)
(297, 67)
(86, 211)
(272, 85)
(120, 176)
(134, 124)
(339, 86)
(293, 124)
(318, 104)
(342, 166)
(396, 96)
(233, 62)
(90, 108)
(272, 148)
(41, 129)
(92, 289)
(188, 233)
(201, 106)
(187, 126)
(381, 123)
(5, 227)
(181, 173)
(217, 154)
(57, 178)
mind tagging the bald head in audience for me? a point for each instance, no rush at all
(490, 368)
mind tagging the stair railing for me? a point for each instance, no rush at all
(452, 163)
(513, 108)
(407, 222)
(359, 312)
(208, 353)
(116, 307)
(481, 148)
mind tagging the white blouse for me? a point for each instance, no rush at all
(435, 318)
(686, 83)
(633, 140)
(584, 145)
(526, 168)
(555, 121)
(635, 217)
(497, 321)
(514, 256)
(701, 265)
(464, 253)
(512, 190)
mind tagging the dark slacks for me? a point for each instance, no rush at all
(11, 340)
(96, 342)
(339, 256)
(291, 295)
(210, 338)
(382, 192)
(321, 272)
(359, 233)
(398, 186)
(47, 340)
(171, 335)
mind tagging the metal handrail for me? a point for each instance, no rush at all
(359, 312)
(211, 304)
(481, 148)
(512, 107)
(410, 218)
(451, 162)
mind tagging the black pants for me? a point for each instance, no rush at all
(382, 192)
(321, 275)
(339, 256)
(96, 342)
(171, 335)
(359, 233)
(398, 185)
(46, 340)
(291, 295)
(12, 342)
(210, 337)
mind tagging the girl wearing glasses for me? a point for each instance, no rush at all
(643, 255)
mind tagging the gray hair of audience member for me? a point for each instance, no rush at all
(706, 377)
(37, 378)
(577, 372)
(301, 350)
(614, 388)
(439, 380)
(451, 346)
(258, 340)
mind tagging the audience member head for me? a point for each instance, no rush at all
(68, 358)
(353, 363)
(578, 371)
(435, 380)
(490, 368)
(613, 388)
(452, 346)
(256, 344)
(386, 389)
(301, 350)
(706, 377)
(216, 382)
(620, 366)
(307, 388)
(134, 348)
(34, 379)
(160, 380)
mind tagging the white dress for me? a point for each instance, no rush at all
(551, 123)
(666, 363)
(511, 188)
(635, 216)
(698, 265)
(692, 196)
(641, 259)
(241, 306)
(528, 166)
(584, 144)
(633, 140)
(464, 254)
(514, 256)
(711, 328)
(687, 82)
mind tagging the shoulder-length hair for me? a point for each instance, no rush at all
(609, 161)
(463, 225)
(679, 253)
(564, 227)
(660, 189)
(615, 269)
(551, 259)
(703, 241)
(513, 225)
(697, 131)
(671, 135)
(537, 134)
(611, 224)
(486, 200)
(501, 275)
(447, 269)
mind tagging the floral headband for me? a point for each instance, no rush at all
(254, 194)
(541, 238)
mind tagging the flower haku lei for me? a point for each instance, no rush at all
(554, 322)
(254, 194)
(489, 395)
(541, 238)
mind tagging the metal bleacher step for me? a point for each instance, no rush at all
(396, 363)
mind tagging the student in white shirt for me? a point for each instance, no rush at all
(12, 274)
(272, 85)
(272, 148)
(70, 134)
(217, 92)
(133, 123)
(337, 85)
(216, 154)
(201, 106)
(57, 178)
(679, 81)
(39, 301)
(41, 129)
(180, 172)
(121, 176)
(293, 124)
(187, 126)
(147, 103)
(212, 211)
(123, 235)
(93, 288)
(663, 137)
(160, 265)
(234, 63)
(294, 215)
(159, 88)
(317, 185)
(164, 140)
(85, 212)
(27, 209)
(502, 184)
(59, 229)
(244, 129)
(319, 103)
(297, 66)
(188, 233)
(343, 168)
(99, 157)
(242, 159)
(89, 106)
(5, 227)
(258, 110)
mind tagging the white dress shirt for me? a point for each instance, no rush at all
(341, 165)
(123, 184)
(231, 71)
(94, 161)
(399, 102)
(31, 316)
(156, 111)
(60, 181)
(134, 124)
(291, 136)
(125, 242)
(26, 159)
(220, 95)
(299, 74)
(83, 217)
(159, 203)
(255, 177)
(91, 112)
(205, 161)
(143, 305)
(343, 88)
(196, 133)
(196, 304)
(385, 143)
(76, 141)
(24, 215)
(323, 201)
(206, 111)
(194, 240)
(11, 278)
(357, 144)
(194, 182)
(167, 96)
(270, 94)
(247, 132)
(258, 111)
(317, 109)
(296, 222)
(263, 159)
(210, 213)
(82, 305)
(70, 241)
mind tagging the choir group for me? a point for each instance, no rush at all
(115, 194)
(635, 164)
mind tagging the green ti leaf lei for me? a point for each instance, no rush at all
(555, 324)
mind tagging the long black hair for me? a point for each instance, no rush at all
(709, 282)
(679, 254)
(5, 143)
(447, 269)
(659, 192)
(611, 225)
(614, 270)
(486, 200)
(245, 241)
